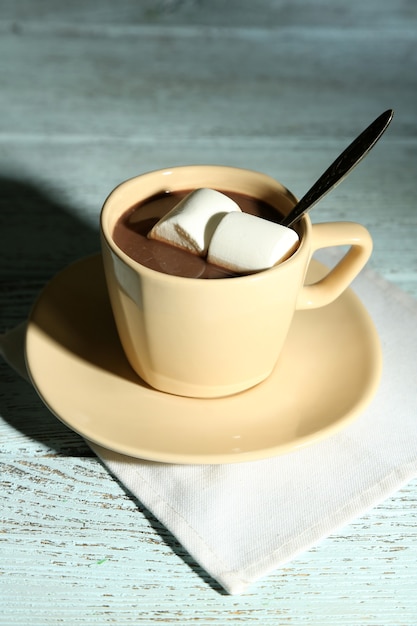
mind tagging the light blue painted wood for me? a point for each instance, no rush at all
(92, 94)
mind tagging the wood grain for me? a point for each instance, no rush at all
(93, 93)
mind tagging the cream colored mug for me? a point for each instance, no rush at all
(212, 338)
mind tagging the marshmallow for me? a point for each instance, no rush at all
(192, 222)
(245, 243)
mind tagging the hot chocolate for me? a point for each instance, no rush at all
(131, 230)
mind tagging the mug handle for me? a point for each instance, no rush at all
(330, 287)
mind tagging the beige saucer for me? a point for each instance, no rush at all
(327, 373)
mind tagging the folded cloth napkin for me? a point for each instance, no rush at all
(242, 521)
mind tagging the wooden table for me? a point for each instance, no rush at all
(93, 93)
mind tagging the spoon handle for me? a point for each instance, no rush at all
(341, 167)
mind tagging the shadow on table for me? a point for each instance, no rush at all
(39, 236)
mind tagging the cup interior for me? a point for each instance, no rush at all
(185, 178)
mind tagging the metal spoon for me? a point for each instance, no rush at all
(341, 167)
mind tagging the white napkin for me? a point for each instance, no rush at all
(242, 521)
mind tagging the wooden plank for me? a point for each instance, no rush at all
(163, 83)
(264, 14)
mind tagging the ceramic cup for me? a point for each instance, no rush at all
(212, 338)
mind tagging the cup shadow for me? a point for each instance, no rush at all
(39, 236)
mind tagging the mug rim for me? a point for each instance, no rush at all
(162, 276)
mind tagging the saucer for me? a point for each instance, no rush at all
(327, 373)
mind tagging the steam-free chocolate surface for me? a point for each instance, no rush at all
(130, 235)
